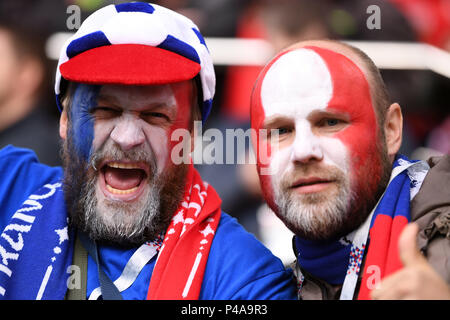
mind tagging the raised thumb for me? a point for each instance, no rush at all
(407, 245)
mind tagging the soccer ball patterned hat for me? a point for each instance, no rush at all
(136, 43)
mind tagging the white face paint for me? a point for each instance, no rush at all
(297, 85)
(130, 129)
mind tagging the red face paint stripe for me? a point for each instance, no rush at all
(351, 94)
(183, 92)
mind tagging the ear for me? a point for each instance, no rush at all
(192, 141)
(393, 128)
(63, 125)
(193, 134)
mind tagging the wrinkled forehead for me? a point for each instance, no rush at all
(300, 81)
(137, 96)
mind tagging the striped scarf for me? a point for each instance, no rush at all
(36, 247)
(180, 266)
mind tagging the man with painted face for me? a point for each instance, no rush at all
(327, 141)
(122, 220)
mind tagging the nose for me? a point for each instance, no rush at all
(128, 133)
(306, 146)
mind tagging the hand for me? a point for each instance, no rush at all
(417, 280)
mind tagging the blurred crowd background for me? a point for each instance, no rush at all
(29, 116)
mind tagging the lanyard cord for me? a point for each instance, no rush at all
(109, 290)
(133, 268)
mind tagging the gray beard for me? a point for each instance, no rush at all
(118, 222)
(328, 216)
(115, 221)
(315, 216)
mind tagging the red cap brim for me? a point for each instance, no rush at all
(130, 64)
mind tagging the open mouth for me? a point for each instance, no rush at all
(123, 180)
(310, 185)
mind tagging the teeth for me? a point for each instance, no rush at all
(117, 191)
(122, 165)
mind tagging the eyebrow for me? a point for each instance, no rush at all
(328, 113)
(114, 101)
(107, 98)
(274, 120)
(278, 119)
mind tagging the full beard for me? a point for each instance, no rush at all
(118, 222)
(314, 216)
(331, 215)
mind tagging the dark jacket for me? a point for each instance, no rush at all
(430, 209)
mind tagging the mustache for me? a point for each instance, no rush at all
(112, 152)
(322, 172)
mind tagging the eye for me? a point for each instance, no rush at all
(285, 130)
(158, 115)
(280, 134)
(105, 112)
(332, 122)
(155, 116)
(278, 129)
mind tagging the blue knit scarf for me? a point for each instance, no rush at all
(36, 248)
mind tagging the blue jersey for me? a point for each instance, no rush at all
(238, 266)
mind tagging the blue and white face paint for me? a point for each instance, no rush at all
(84, 99)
